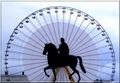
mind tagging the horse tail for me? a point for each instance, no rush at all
(81, 64)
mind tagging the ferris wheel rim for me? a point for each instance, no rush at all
(91, 18)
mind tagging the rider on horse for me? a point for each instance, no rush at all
(65, 59)
(63, 48)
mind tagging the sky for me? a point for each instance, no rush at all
(106, 13)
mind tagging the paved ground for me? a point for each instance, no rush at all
(24, 79)
(15, 79)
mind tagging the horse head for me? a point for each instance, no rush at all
(45, 49)
(50, 48)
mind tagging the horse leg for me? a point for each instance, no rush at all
(75, 71)
(54, 74)
(78, 75)
(71, 75)
(48, 67)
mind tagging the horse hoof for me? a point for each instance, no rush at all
(69, 77)
(78, 81)
(84, 71)
(48, 75)
(54, 80)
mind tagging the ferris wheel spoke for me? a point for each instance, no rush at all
(77, 43)
(68, 24)
(41, 74)
(89, 77)
(97, 60)
(17, 52)
(57, 19)
(77, 46)
(27, 64)
(63, 11)
(88, 40)
(82, 76)
(80, 34)
(97, 70)
(96, 54)
(94, 75)
(57, 23)
(89, 45)
(49, 13)
(24, 42)
(43, 30)
(42, 77)
(30, 38)
(97, 65)
(33, 34)
(26, 59)
(74, 40)
(28, 43)
(36, 29)
(69, 38)
(86, 75)
(53, 28)
(24, 47)
(48, 28)
(48, 78)
(36, 76)
(32, 73)
(83, 31)
(28, 69)
(77, 53)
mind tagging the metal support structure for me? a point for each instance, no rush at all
(68, 73)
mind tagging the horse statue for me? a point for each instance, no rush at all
(55, 61)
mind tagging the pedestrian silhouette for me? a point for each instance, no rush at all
(63, 48)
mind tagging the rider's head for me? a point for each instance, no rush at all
(62, 40)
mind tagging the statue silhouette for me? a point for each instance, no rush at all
(55, 61)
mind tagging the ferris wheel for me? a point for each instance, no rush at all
(83, 34)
